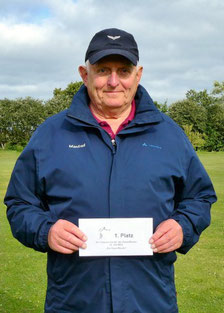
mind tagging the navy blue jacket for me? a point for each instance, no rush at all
(71, 170)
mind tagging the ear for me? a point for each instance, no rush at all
(139, 73)
(84, 74)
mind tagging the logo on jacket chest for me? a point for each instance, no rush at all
(151, 146)
(83, 145)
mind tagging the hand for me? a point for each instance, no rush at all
(167, 237)
(65, 237)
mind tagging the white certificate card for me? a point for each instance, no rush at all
(116, 236)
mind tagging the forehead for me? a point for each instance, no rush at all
(110, 59)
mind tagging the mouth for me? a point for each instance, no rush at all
(113, 94)
(113, 91)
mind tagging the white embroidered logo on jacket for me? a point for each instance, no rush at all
(77, 146)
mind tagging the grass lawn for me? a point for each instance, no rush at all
(199, 273)
(22, 270)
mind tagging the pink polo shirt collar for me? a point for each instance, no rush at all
(107, 127)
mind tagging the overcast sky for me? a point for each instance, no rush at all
(42, 43)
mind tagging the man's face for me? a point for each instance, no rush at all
(112, 82)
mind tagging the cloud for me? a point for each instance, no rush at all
(42, 43)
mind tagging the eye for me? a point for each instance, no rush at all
(102, 70)
(124, 71)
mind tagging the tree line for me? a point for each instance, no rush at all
(200, 114)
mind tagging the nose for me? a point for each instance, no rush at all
(113, 80)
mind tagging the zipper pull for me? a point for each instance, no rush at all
(113, 142)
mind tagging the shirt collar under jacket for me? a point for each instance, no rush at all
(146, 111)
(107, 127)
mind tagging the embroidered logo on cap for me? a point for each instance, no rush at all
(113, 37)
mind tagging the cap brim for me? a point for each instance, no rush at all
(101, 54)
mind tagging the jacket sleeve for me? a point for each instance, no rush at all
(193, 201)
(28, 216)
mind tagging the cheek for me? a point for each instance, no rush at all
(130, 86)
(95, 90)
(130, 83)
(98, 83)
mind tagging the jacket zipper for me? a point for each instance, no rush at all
(114, 144)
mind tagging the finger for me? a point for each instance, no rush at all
(72, 228)
(62, 250)
(163, 245)
(166, 245)
(66, 244)
(62, 246)
(71, 240)
(165, 238)
(157, 235)
(169, 248)
(163, 228)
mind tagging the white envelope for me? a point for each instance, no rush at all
(116, 236)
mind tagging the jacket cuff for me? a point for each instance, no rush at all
(43, 237)
(189, 236)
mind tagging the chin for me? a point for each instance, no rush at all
(114, 105)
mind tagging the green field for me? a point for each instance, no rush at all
(199, 274)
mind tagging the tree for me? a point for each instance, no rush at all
(201, 98)
(5, 122)
(205, 112)
(218, 89)
(188, 112)
(215, 128)
(62, 98)
(214, 105)
(57, 104)
(163, 107)
(195, 138)
(69, 91)
(18, 119)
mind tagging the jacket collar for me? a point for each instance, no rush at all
(146, 111)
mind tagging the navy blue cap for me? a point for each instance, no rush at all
(112, 41)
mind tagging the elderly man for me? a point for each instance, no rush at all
(112, 154)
